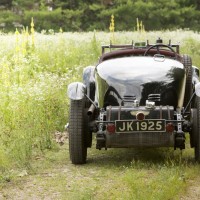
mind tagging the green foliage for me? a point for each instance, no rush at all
(192, 47)
(8, 19)
(6, 3)
(33, 92)
(86, 15)
(69, 20)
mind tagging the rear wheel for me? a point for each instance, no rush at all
(77, 134)
(197, 132)
(187, 62)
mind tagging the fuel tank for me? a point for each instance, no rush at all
(121, 81)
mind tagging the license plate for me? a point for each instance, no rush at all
(150, 125)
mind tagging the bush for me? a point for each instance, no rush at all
(69, 20)
(9, 20)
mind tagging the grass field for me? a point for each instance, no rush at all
(34, 78)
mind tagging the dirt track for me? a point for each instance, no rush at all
(55, 178)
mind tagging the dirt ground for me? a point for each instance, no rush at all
(56, 178)
(193, 191)
(30, 189)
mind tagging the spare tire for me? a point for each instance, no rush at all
(187, 62)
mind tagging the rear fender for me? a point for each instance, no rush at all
(76, 91)
(89, 81)
(88, 75)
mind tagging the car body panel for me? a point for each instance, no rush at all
(137, 78)
(76, 91)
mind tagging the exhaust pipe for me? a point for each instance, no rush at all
(91, 110)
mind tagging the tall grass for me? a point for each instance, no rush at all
(33, 101)
(33, 93)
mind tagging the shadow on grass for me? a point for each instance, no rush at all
(146, 158)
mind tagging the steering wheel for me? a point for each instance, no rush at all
(157, 46)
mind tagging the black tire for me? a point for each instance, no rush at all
(187, 62)
(77, 138)
(197, 133)
(194, 130)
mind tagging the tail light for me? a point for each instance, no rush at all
(111, 128)
(169, 127)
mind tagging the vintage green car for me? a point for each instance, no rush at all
(138, 95)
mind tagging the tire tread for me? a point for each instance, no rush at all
(77, 148)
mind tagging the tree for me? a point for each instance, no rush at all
(25, 4)
(86, 15)
(6, 3)
(70, 4)
(198, 4)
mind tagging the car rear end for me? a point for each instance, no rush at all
(140, 126)
(141, 100)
